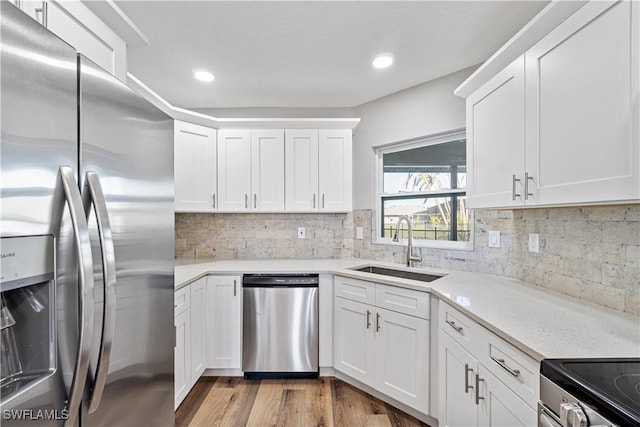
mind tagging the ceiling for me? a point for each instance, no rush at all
(311, 53)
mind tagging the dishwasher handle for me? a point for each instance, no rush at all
(280, 281)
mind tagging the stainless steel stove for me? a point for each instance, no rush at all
(589, 393)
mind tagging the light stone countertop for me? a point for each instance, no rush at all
(542, 323)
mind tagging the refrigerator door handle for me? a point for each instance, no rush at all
(67, 192)
(92, 194)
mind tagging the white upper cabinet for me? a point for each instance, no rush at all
(234, 170)
(319, 168)
(74, 23)
(570, 135)
(582, 107)
(334, 169)
(267, 170)
(251, 170)
(195, 168)
(301, 161)
(495, 140)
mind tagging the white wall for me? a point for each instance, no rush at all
(422, 110)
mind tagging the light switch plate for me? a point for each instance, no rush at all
(359, 233)
(494, 239)
(301, 233)
(534, 242)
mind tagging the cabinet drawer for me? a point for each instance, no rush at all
(515, 369)
(182, 300)
(462, 329)
(356, 290)
(407, 301)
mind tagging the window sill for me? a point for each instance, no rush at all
(433, 244)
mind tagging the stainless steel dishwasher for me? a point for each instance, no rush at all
(280, 326)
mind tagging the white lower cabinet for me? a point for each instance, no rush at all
(457, 407)
(384, 349)
(224, 322)
(474, 368)
(182, 350)
(402, 358)
(198, 329)
(353, 340)
(499, 406)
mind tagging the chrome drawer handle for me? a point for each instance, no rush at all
(467, 387)
(478, 397)
(368, 319)
(454, 326)
(501, 362)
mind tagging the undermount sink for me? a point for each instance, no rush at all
(423, 277)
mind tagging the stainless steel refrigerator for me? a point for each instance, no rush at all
(87, 227)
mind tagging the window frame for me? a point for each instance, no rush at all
(380, 196)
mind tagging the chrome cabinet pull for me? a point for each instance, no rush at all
(513, 187)
(213, 198)
(255, 201)
(377, 322)
(92, 194)
(322, 200)
(67, 192)
(45, 12)
(467, 369)
(527, 194)
(235, 283)
(368, 319)
(454, 326)
(246, 201)
(314, 201)
(478, 397)
(501, 362)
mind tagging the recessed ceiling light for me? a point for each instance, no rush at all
(382, 61)
(203, 75)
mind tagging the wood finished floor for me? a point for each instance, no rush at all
(327, 401)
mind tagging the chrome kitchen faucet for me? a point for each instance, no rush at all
(410, 256)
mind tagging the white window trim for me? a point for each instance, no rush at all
(380, 151)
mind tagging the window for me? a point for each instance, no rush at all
(426, 180)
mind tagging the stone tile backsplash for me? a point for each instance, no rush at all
(263, 236)
(591, 253)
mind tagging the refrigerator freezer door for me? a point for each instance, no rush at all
(39, 134)
(128, 144)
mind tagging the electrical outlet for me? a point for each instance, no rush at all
(359, 233)
(534, 242)
(494, 239)
(301, 233)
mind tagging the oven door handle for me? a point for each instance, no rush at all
(547, 418)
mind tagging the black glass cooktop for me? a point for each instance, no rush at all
(610, 386)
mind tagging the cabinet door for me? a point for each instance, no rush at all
(402, 358)
(234, 170)
(267, 170)
(456, 374)
(195, 168)
(495, 140)
(582, 107)
(224, 322)
(499, 406)
(353, 340)
(334, 170)
(198, 329)
(301, 154)
(74, 23)
(182, 351)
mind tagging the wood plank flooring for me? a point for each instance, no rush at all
(325, 402)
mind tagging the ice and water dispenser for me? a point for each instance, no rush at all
(27, 308)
